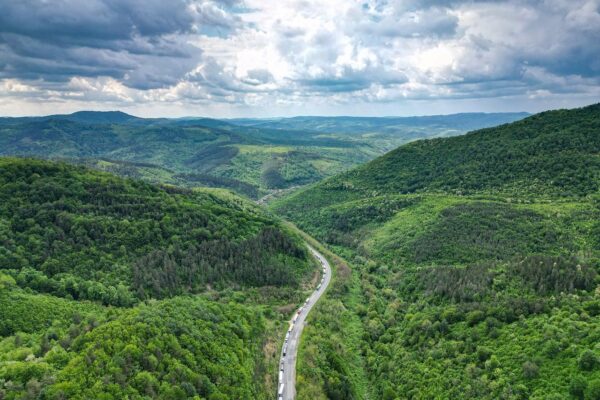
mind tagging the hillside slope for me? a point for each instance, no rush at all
(251, 160)
(476, 260)
(114, 288)
(548, 154)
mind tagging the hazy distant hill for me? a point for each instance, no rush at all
(388, 125)
(107, 117)
(475, 259)
(86, 117)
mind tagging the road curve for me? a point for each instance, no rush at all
(289, 351)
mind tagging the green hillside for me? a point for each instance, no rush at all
(114, 288)
(476, 262)
(250, 160)
(549, 154)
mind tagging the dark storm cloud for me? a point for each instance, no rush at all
(257, 77)
(428, 22)
(349, 80)
(140, 42)
(76, 22)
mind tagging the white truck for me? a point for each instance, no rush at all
(280, 392)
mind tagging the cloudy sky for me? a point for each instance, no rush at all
(227, 58)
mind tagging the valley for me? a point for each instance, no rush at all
(253, 159)
(462, 267)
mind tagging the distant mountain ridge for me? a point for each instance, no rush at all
(351, 124)
(464, 120)
(115, 117)
(86, 117)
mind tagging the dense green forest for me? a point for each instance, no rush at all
(476, 265)
(113, 288)
(77, 233)
(173, 349)
(470, 264)
(249, 157)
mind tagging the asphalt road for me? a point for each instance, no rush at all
(297, 322)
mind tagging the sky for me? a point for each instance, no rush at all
(266, 58)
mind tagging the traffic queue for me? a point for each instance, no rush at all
(289, 332)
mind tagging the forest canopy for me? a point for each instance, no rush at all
(80, 234)
(476, 262)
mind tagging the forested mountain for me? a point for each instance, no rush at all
(85, 117)
(99, 117)
(476, 262)
(96, 278)
(249, 159)
(549, 154)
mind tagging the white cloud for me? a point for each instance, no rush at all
(294, 56)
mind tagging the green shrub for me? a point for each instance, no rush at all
(577, 387)
(588, 361)
(475, 317)
(530, 370)
(593, 390)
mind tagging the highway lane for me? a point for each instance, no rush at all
(289, 351)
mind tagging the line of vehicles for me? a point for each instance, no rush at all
(289, 332)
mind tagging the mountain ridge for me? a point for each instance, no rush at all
(427, 164)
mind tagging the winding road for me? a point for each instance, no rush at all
(289, 351)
